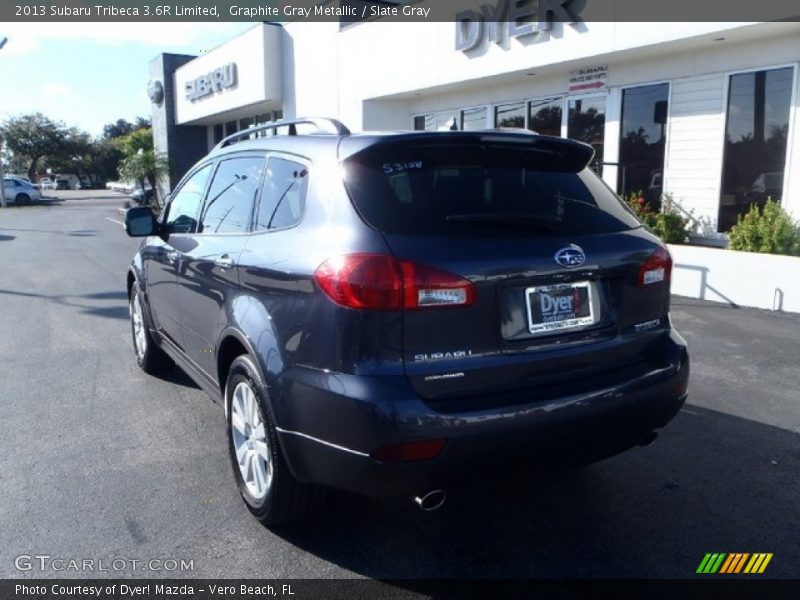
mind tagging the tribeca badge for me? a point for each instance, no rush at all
(217, 80)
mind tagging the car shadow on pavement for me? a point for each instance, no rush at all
(711, 482)
(177, 376)
(114, 295)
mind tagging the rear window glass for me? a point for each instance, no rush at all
(435, 189)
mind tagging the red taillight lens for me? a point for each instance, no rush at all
(410, 451)
(379, 281)
(362, 281)
(657, 268)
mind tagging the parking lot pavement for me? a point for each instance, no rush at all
(98, 460)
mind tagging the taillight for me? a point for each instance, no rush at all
(657, 268)
(410, 451)
(379, 281)
(362, 281)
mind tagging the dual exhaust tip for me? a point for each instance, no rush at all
(431, 501)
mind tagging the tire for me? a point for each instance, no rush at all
(22, 199)
(149, 356)
(266, 485)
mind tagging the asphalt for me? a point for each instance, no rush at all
(99, 460)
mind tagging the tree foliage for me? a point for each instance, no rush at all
(123, 127)
(34, 137)
(34, 141)
(770, 230)
(667, 223)
(140, 162)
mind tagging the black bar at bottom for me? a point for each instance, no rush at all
(710, 586)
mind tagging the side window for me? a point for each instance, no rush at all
(283, 199)
(185, 204)
(229, 203)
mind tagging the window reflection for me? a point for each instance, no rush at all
(586, 123)
(755, 141)
(641, 146)
(544, 116)
(473, 119)
(510, 115)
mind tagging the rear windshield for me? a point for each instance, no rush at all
(463, 189)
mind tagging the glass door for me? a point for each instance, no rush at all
(586, 122)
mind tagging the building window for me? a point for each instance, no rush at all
(219, 133)
(473, 119)
(544, 116)
(756, 132)
(425, 123)
(587, 123)
(230, 127)
(641, 144)
(447, 120)
(260, 119)
(510, 115)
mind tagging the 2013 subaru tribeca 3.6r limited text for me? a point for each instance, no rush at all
(380, 312)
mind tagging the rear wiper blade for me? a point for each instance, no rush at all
(524, 220)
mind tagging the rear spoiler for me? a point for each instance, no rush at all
(572, 155)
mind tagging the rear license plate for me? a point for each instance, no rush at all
(560, 307)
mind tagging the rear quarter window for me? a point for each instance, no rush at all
(458, 189)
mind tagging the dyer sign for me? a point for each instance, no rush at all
(217, 80)
(509, 19)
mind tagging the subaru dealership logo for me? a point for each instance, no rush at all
(571, 256)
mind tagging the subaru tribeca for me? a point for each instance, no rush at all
(379, 313)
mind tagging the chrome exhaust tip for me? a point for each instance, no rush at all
(648, 439)
(431, 500)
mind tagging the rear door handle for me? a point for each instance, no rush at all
(224, 262)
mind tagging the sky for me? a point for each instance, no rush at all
(91, 74)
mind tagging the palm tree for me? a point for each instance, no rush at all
(141, 162)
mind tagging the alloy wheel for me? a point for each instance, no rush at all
(249, 436)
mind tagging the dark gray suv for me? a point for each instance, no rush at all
(381, 313)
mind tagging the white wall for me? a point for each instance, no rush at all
(693, 164)
(741, 278)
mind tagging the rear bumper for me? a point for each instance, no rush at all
(330, 423)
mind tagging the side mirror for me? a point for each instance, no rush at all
(140, 221)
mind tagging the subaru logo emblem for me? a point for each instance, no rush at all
(571, 256)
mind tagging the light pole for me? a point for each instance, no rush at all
(2, 175)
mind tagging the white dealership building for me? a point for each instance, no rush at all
(705, 112)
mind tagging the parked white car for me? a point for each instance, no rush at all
(20, 191)
(47, 184)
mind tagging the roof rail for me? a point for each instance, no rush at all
(321, 123)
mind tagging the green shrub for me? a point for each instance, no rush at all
(770, 230)
(668, 223)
